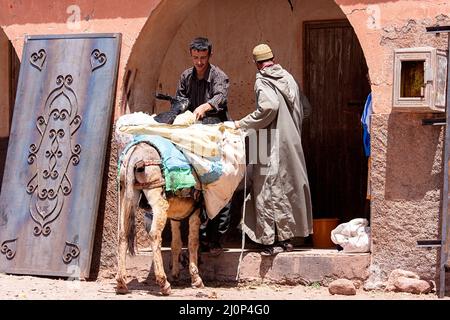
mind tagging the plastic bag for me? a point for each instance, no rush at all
(352, 236)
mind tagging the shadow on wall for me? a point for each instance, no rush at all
(9, 74)
(3, 148)
(414, 157)
(105, 240)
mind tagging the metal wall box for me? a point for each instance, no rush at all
(420, 79)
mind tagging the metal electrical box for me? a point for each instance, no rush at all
(420, 76)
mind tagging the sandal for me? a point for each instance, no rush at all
(272, 251)
(287, 246)
(215, 251)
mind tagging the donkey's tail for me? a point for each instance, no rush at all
(127, 205)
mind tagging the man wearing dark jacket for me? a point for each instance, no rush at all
(206, 87)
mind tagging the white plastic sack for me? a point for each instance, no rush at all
(187, 118)
(352, 236)
(136, 118)
(218, 193)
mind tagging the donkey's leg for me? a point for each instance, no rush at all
(176, 248)
(159, 206)
(127, 200)
(194, 225)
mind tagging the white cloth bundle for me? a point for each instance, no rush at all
(352, 236)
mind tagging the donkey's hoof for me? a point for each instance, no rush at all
(197, 284)
(166, 290)
(122, 288)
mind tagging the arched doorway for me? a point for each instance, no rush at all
(9, 71)
(336, 83)
(235, 27)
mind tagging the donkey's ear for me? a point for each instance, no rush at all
(180, 104)
(162, 96)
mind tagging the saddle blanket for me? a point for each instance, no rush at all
(176, 168)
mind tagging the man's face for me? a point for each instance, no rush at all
(200, 60)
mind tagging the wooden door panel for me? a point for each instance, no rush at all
(336, 85)
(53, 172)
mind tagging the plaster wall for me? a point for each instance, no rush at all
(406, 170)
(406, 194)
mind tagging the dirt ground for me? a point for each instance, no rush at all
(15, 287)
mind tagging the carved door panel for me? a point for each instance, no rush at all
(53, 173)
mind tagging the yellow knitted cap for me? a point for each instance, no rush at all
(262, 52)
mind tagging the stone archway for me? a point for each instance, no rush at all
(234, 27)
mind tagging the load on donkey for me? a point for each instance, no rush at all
(178, 167)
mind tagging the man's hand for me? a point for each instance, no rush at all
(201, 110)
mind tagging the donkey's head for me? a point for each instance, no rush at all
(178, 105)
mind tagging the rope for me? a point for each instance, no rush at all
(246, 197)
(118, 202)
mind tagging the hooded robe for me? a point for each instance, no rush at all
(280, 205)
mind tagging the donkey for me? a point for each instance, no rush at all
(141, 172)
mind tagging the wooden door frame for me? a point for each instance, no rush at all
(319, 24)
